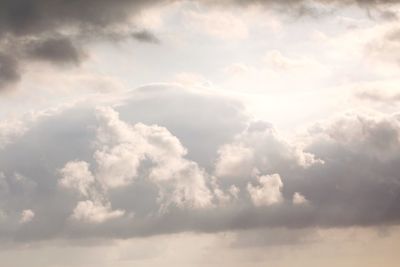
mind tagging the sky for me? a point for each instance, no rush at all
(199, 133)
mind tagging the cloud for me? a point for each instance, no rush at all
(268, 192)
(122, 148)
(125, 170)
(315, 8)
(56, 32)
(9, 70)
(146, 37)
(295, 2)
(26, 216)
(36, 17)
(94, 212)
(76, 175)
(55, 50)
(9, 130)
(299, 199)
(384, 96)
(385, 46)
(260, 147)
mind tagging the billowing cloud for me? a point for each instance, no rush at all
(95, 212)
(128, 174)
(268, 192)
(299, 199)
(27, 216)
(260, 147)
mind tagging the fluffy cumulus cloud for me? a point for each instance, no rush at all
(260, 147)
(299, 199)
(123, 148)
(95, 212)
(27, 216)
(268, 192)
(135, 173)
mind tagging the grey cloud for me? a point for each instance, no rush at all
(389, 15)
(44, 20)
(316, 8)
(291, 2)
(379, 96)
(348, 172)
(9, 70)
(303, 7)
(56, 50)
(146, 37)
(27, 17)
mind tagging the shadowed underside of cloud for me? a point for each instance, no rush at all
(9, 72)
(146, 37)
(56, 50)
(123, 171)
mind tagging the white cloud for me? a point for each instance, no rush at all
(124, 147)
(299, 199)
(373, 135)
(268, 191)
(76, 175)
(10, 130)
(26, 216)
(260, 147)
(95, 212)
(360, 154)
(234, 159)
